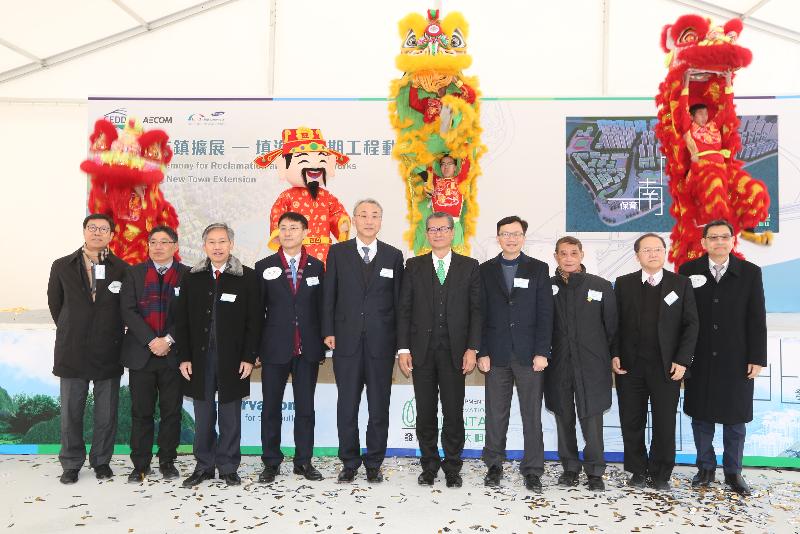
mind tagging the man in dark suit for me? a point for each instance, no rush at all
(148, 351)
(578, 377)
(438, 335)
(654, 346)
(83, 297)
(362, 290)
(517, 324)
(731, 351)
(217, 326)
(291, 344)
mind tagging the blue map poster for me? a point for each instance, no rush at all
(615, 180)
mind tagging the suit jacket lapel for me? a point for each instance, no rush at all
(523, 271)
(357, 263)
(376, 267)
(427, 278)
(498, 276)
(667, 286)
(636, 287)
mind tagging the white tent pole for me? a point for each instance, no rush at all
(604, 74)
(273, 29)
(111, 40)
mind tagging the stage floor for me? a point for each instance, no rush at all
(33, 501)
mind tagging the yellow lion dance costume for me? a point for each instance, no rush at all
(435, 112)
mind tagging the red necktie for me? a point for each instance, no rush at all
(217, 274)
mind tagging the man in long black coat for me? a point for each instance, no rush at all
(579, 374)
(218, 324)
(731, 351)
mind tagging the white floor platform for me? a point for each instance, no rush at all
(33, 501)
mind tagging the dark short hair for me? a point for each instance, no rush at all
(294, 217)
(166, 229)
(440, 215)
(569, 240)
(511, 220)
(696, 107)
(644, 236)
(98, 217)
(717, 222)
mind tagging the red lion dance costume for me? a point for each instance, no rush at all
(707, 182)
(126, 168)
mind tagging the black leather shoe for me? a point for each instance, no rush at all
(138, 476)
(103, 471)
(703, 479)
(637, 480)
(268, 475)
(595, 483)
(346, 475)
(308, 471)
(568, 479)
(231, 479)
(426, 478)
(493, 476)
(197, 477)
(660, 484)
(168, 471)
(69, 476)
(533, 483)
(737, 483)
(453, 480)
(374, 475)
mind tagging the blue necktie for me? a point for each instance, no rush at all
(293, 267)
(366, 254)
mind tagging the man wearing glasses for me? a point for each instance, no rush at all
(731, 351)
(362, 290)
(83, 297)
(291, 282)
(438, 335)
(654, 346)
(517, 313)
(147, 297)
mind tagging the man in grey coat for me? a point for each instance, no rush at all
(579, 374)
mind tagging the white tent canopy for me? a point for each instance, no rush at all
(69, 50)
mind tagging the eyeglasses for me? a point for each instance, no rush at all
(102, 229)
(439, 229)
(506, 235)
(447, 164)
(656, 250)
(162, 243)
(285, 229)
(724, 237)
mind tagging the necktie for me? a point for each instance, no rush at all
(651, 280)
(293, 267)
(217, 274)
(440, 271)
(366, 254)
(162, 270)
(718, 272)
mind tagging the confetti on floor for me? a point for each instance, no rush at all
(34, 501)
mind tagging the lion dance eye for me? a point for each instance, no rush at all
(457, 41)
(411, 40)
(688, 36)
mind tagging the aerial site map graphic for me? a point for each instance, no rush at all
(614, 172)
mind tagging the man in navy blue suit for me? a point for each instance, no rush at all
(517, 313)
(291, 343)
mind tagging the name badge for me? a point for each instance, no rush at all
(387, 273)
(669, 299)
(227, 297)
(698, 280)
(555, 290)
(115, 286)
(521, 282)
(177, 291)
(100, 272)
(312, 281)
(272, 273)
(594, 295)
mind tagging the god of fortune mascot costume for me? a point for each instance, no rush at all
(307, 163)
(435, 112)
(126, 168)
(706, 180)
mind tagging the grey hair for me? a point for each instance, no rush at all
(440, 215)
(218, 225)
(367, 201)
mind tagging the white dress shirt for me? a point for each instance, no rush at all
(722, 271)
(657, 277)
(373, 248)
